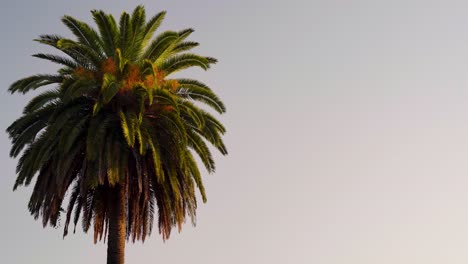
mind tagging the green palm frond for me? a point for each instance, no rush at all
(78, 57)
(169, 50)
(136, 38)
(42, 100)
(126, 33)
(160, 44)
(151, 26)
(87, 53)
(84, 33)
(34, 82)
(108, 31)
(184, 61)
(184, 46)
(57, 59)
(192, 89)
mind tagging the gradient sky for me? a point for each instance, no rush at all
(347, 130)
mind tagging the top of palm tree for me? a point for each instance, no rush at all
(115, 117)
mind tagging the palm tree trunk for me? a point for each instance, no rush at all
(117, 225)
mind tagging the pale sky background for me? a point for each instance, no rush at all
(347, 130)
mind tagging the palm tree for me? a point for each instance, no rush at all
(116, 136)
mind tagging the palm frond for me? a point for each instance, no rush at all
(33, 82)
(184, 46)
(183, 61)
(85, 34)
(57, 59)
(151, 26)
(169, 50)
(200, 92)
(108, 31)
(126, 33)
(159, 45)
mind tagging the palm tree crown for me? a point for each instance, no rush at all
(115, 118)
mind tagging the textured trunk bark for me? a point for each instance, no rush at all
(117, 226)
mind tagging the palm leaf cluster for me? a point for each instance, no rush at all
(115, 117)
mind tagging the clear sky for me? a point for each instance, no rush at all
(347, 129)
